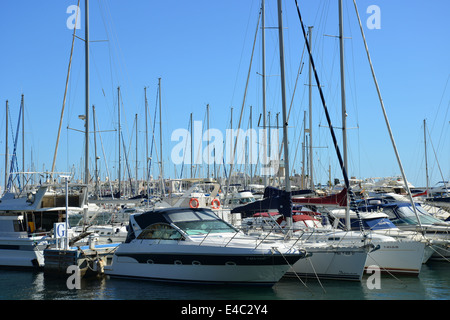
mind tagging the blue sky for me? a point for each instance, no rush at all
(201, 51)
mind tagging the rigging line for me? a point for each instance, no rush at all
(104, 158)
(440, 102)
(117, 44)
(300, 68)
(350, 193)
(127, 164)
(240, 59)
(65, 91)
(297, 276)
(185, 148)
(444, 123)
(152, 127)
(435, 155)
(110, 59)
(386, 118)
(242, 107)
(13, 163)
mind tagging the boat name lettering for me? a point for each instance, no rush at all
(255, 258)
(390, 247)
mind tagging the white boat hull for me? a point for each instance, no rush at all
(199, 263)
(390, 255)
(397, 257)
(331, 263)
(20, 253)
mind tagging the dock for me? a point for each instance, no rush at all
(89, 259)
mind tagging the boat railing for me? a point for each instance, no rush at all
(42, 236)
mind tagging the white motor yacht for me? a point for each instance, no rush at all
(194, 245)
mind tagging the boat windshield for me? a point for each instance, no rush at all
(378, 224)
(200, 222)
(408, 216)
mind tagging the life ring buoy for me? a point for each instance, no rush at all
(215, 204)
(194, 203)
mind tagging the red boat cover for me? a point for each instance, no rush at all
(339, 199)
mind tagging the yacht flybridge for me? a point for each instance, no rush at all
(194, 245)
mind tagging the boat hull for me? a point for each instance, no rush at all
(331, 263)
(20, 253)
(204, 264)
(397, 257)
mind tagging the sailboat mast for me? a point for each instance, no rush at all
(160, 129)
(86, 143)
(264, 145)
(310, 119)
(344, 108)
(6, 146)
(192, 154)
(119, 142)
(146, 141)
(207, 130)
(426, 160)
(137, 182)
(97, 193)
(283, 102)
(23, 141)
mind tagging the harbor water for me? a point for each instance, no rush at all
(433, 283)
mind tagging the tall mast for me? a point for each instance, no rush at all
(344, 109)
(137, 183)
(207, 130)
(163, 189)
(264, 145)
(97, 193)
(426, 160)
(23, 141)
(303, 150)
(160, 128)
(251, 144)
(86, 143)
(310, 120)
(119, 142)
(192, 154)
(6, 146)
(283, 102)
(146, 140)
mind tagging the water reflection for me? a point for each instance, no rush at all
(432, 283)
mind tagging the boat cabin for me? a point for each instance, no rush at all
(175, 224)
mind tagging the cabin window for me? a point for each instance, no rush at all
(160, 231)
